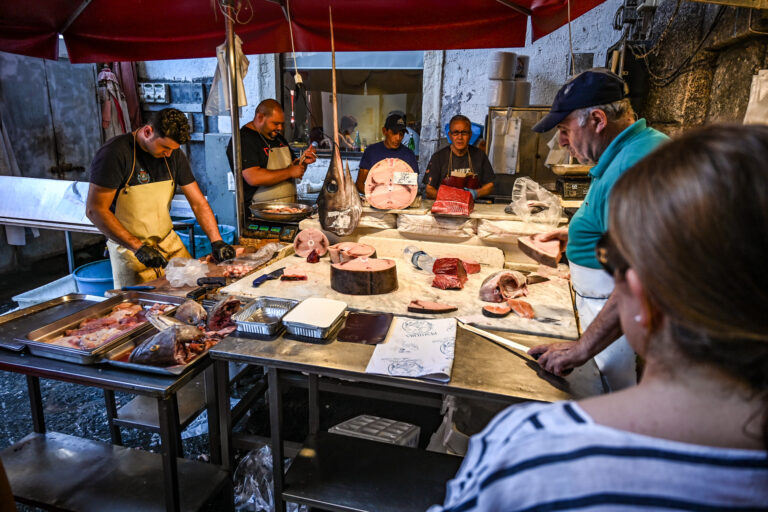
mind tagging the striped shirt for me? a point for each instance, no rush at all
(555, 457)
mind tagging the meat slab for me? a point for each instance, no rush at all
(546, 253)
(521, 308)
(346, 251)
(364, 276)
(425, 306)
(381, 189)
(502, 286)
(450, 274)
(308, 240)
(471, 266)
(453, 201)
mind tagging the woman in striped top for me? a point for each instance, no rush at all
(687, 247)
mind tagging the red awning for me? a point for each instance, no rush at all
(130, 30)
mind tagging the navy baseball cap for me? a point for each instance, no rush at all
(395, 123)
(592, 87)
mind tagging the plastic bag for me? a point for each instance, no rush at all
(254, 486)
(533, 203)
(185, 271)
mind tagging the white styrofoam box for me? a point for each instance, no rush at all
(379, 429)
(52, 290)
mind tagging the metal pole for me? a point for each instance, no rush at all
(70, 252)
(234, 111)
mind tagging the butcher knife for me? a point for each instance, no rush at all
(517, 347)
(141, 287)
(266, 277)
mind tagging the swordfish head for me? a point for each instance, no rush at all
(339, 204)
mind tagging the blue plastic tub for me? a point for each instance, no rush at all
(202, 244)
(94, 278)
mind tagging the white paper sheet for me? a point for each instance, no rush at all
(416, 348)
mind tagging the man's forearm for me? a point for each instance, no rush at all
(258, 176)
(430, 192)
(485, 190)
(604, 329)
(108, 224)
(204, 215)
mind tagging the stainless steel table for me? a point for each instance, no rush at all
(96, 475)
(481, 369)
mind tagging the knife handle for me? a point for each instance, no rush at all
(260, 280)
(139, 288)
(220, 281)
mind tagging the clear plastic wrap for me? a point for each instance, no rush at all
(428, 225)
(185, 271)
(254, 486)
(533, 203)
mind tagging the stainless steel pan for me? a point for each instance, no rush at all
(269, 211)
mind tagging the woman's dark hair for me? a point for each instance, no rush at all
(170, 123)
(692, 220)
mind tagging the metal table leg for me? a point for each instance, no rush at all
(36, 403)
(221, 376)
(114, 430)
(214, 409)
(70, 252)
(314, 405)
(168, 411)
(276, 427)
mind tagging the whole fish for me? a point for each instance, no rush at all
(339, 206)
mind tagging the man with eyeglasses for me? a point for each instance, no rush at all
(598, 126)
(459, 165)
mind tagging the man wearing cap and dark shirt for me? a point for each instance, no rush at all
(598, 126)
(391, 147)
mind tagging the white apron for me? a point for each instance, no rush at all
(283, 192)
(617, 361)
(144, 210)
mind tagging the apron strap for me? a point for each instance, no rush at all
(133, 166)
(450, 162)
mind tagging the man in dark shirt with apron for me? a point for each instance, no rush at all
(459, 165)
(133, 178)
(270, 169)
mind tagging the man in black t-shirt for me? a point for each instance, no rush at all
(133, 178)
(459, 165)
(269, 166)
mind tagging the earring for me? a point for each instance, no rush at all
(638, 318)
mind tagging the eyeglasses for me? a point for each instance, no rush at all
(463, 133)
(609, 257)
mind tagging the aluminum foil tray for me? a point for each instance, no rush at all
(263, 315)
(38, 340)
(18, 323)
(307, 331)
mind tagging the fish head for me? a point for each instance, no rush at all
(339, 206)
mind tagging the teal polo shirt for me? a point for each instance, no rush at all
(591, 220)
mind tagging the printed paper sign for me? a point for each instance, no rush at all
(405, 178)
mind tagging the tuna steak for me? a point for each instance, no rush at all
(339, 204)
(503, 285)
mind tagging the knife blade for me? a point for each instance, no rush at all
(517, 347)
(266, 277)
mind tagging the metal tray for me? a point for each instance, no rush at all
(115, 355)
(17, 323)
(38, 340)
(263, 315)
(267, 211)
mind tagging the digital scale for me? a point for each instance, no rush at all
(572, 187)
(265, 229)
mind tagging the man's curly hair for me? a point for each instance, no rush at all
(170, 123)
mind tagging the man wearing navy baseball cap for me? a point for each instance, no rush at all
(391, 147)
(597, 125)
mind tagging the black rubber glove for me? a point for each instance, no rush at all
(150, 257)
(222, 251)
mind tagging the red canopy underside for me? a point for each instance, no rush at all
(108, 30)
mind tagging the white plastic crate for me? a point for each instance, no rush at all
(378, 429)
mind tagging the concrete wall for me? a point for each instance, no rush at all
(455, 81)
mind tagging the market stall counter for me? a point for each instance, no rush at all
(358, 475)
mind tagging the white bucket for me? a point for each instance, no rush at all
(501, 93)
(502, 66)
(521, 67)
(521, 95)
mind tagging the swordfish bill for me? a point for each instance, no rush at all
(339, 206)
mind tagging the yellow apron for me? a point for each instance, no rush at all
(144, 210)
(283, 192)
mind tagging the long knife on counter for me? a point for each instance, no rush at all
(504, 342)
